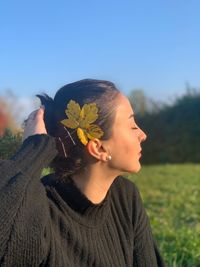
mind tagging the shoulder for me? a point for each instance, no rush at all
(125, 193)
(126, 197)
(125, 186)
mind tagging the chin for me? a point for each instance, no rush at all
(136, 169)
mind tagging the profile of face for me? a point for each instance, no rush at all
(125, 144)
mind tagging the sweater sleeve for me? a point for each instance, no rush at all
(23, 203)
(146, 253)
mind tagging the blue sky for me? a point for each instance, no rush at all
(153, 45)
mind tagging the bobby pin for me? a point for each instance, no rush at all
(70, 136)
(63, 147)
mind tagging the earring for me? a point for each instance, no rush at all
(109, 157)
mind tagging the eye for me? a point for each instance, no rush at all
(134, 128)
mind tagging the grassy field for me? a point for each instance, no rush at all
(171, 195)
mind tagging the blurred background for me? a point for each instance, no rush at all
(150, 50)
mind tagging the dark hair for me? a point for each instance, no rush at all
(104, 94)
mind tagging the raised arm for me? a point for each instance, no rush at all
(23, 202)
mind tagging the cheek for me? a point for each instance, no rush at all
(129, 143)
(128, 151)
(121, 143)
(125, 142)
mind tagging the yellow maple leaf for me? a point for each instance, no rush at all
(94, 131)
(88, 114)
(82, 136)
(70, 123)
(81, 120)
(73, 110)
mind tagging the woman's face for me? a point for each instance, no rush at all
(125, 144)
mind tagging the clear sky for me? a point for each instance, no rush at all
(153, 45)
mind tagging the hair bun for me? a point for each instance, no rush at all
(49, 112)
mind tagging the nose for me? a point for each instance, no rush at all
(142, 136)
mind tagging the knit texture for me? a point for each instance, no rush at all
(44, 222)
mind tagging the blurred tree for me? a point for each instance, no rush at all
(9, 144)
(173, 133)
(10, 131)
(138, 102)
(142, 104)
(3, 119)
(12, 109)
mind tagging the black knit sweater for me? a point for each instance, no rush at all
(48, 223)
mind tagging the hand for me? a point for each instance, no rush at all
(35, 123)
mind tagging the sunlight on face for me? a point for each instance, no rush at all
(127, 137)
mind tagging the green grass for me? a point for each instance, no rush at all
(171, 195)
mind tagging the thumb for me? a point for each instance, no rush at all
(40, 111)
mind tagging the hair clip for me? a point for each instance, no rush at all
(63, 147)
(70, 136)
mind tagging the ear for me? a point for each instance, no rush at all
(95, 148)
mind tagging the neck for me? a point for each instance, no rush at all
(94, 183)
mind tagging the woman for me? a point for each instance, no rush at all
(85, 213)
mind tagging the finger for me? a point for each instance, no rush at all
(36, 112)
(40, 113)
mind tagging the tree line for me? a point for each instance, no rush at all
(173, 130)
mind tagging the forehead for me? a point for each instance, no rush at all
(123, 110)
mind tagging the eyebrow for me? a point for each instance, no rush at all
(132, 115)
